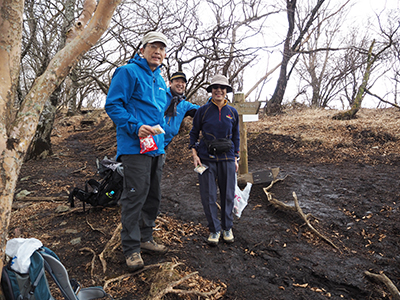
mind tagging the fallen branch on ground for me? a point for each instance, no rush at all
(108, 150)
(71, 210)
(296, 208)
(305, 218)
(80, 169)
(81, 129)
(385, 280)
(51, 199)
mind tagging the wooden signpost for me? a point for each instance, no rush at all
(247, 108)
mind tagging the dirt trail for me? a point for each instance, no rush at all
(346, 175)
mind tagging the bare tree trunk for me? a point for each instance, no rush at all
(40, 146)
(274, 105)
(11, 12)
(371, 59)
(16, 134)
(315, 82)
(351, 113)
(71, 93)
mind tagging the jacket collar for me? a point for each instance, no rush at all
(225, 102)
(142, 62)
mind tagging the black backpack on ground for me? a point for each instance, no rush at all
(105, 192)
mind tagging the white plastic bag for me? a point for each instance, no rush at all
(241, 199)
(20, 250)
(200, 169)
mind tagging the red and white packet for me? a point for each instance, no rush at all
(147, 144)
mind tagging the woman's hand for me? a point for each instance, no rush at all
(236, 165)
(196, 158)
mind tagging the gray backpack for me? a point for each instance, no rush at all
(34, 285)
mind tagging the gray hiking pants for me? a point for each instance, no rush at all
(140, 200)
(223, 173)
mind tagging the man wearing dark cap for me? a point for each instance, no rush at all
(177, 107)
(136, 102)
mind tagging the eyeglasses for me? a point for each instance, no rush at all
(155, 47)
(217, 86)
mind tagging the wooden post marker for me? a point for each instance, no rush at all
(243, 162)
(247, 108)
(244, 108)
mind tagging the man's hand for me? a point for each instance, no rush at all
(146, 130)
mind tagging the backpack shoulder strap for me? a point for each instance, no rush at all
(60, 275)
(39, 285)
(94, 184)
(84, 195)
(6, 284)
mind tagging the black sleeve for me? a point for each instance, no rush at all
(191, 112)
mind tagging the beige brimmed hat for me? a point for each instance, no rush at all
(219, 80)
(154, 36)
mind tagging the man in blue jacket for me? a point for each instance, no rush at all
(135, 102)
(177, 107)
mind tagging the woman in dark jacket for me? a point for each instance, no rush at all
(218, 150)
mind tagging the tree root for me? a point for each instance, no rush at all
(170, 288)
(122, 277)
(167, 278)
(111, 245)
(196, 293)
(296, 208)
(93, 261)
(385, 280)
(164, 277)
(94, 229)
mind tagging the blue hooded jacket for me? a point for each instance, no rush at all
(172, 124)
(136, 97)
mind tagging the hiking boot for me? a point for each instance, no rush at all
(213, 238)
(153, 247)
(228, 236)
(134, 261)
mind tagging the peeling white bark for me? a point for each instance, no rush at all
(16, 134)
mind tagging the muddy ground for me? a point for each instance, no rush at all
(345, 173)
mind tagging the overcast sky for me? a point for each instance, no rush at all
(359, 12)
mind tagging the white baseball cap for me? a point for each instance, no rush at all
(154, 36)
